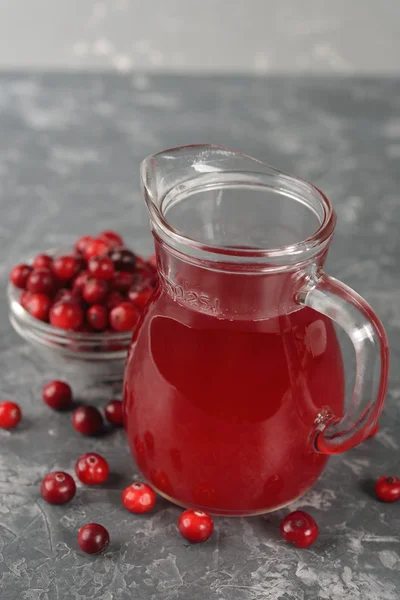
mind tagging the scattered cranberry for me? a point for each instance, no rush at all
(79, 281)
(299, 528)
(152, 262)
(66, 315)
(387, 488)
(10, 414)
(19, 276)
(138, 498)
(114, 413)
(58, 488)
(92, 469)
(42, 261)
(195, 526)
(81, 244)
(101, 267)
(124, 317)
(41, 281)
(95, 291)
(87, 420)
(97, 317)
(96, 247)
(374, 431)
(123, 259)
(93, 538)
(24, 299)
(140, 297)
(65, 267)
(122, 281)
(38, 306)
(113, 238)
(57, 395)
(113, 299)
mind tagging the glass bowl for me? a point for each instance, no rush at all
(99, 357)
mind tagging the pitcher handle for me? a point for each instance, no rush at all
(345, 307)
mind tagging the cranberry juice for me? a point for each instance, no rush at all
(220, 412)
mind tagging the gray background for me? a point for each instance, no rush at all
(257, 36)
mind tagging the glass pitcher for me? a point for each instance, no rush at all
(234, 383)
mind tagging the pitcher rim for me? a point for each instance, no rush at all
(312, 244)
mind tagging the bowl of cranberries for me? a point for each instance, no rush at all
(79, 306)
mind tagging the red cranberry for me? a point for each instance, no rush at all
(66, 315)
(152, 262)
(10, 414)
(122, 281)
(387, 488)
(41, 281)
(24, 299)
(113, 299)
(87, 420)
(96, 247)
(124, 317)
(65, 295)
(57, 395)
(42, 261)
(299, 528)
(113, 238)
(19, 276)
(95, 291)
(58, 488)
(114, 413)
(374, 431)
(92, 469)
(82, 242)
(65, 267)
(97, 317)
(80, 281)
(140, 262)
(93, 538)
(101, 267)
(195, 525)
(138, 498)
(123, 259)
(140, 296)
(38, 306)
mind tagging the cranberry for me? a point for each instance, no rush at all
(80, 281)
(38, 305)
(57, 395)
(41, 281)
(140, 296)
(65, 267)
(10, 414)
(113, 238)
(66, 315)
(24, 299)
(101, 267)
(93, 538)
(152, 262)
(19, 276)
(195, 525)
(97, 317)
(65, 295)
(113, 299)
(140, 262)
(122, 281)
(123, 259)
(138, 498)
(58, 488)
(96, 247)
(124, 317)
(114, 413)
(387, 488)
(92, 469)
(299, 528)
(374, 431)
(95, 291)
(87, 420)
(42, 261)
(82, 242)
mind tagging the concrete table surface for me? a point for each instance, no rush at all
(70, 148)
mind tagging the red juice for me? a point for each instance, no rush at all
(219, 412)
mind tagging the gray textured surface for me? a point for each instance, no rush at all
(70, 148)
(250, 36)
